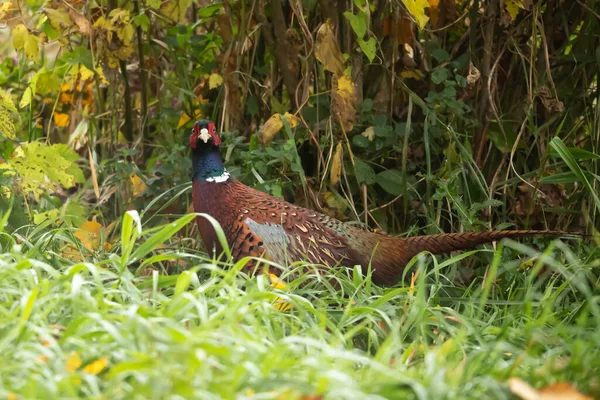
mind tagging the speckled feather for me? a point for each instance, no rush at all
(259, 225)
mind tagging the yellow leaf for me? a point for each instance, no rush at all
(327, 50)
(417, 9)
(512, 7)
(369, 133)
(412, 74)
(59, 19)
(96, 366)
(101, 75)
(11, 396)
(85, 73)
(89, 234)
(336, 165)
(344, 101)
(31, 46)
(291, 119)
(7, 108)
(20, 35)
(276, 282)
(61, 119)
(73, 362)
(5, 9)
(138, 185)
(215, 80)
(184, 119)
(268, 131)
(555, 391)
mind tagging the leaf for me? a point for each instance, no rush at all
(59, 19)
(417, 9)
(38, 164)
(336, 165)
(267, 132)
(555, 391)
(369, 48)
(176, 9)
(96, 366)
(90, 233)
(214, 81)
(19, 34)
(7, 108)
(85, 28)
(73, 362)
(61, 119)
(344, 101)
(512, 7)
(559, 146)
(364, 173)
(369, 133)
(358, 23)
(327, 50)
(138, 185)
(391, 181)
(291, 119)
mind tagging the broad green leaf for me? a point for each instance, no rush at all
(358, 23)
(35, 163)
(391, 181)
(368, 47)
(364, 173)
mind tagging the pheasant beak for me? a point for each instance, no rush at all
(204, 135)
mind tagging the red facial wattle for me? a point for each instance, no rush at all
(212, 131)
(194, 136)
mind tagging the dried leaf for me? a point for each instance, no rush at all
(291, 119)
(344, 101)
(336, 165)
(270, 128)
(85, 28)
(556, 391)
(273, 125)
(94, 175)
(474, 74)
(327, 50)
(89, 233)
(369, 133)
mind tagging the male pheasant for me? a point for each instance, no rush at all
(258, 225)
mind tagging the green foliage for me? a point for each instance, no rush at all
(7, 108)
(35, 162)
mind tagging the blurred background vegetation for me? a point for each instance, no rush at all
(414, 116)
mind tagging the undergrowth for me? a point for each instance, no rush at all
(113, 328)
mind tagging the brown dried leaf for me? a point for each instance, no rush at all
(555, 391)
(344, 101)
(273, 125)
(336, 165)
(85, 28)
(327, 50)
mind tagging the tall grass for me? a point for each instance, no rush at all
(110, 328)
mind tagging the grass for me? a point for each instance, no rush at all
(108, 328)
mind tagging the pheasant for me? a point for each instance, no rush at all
(258, 225)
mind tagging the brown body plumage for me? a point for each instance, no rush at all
(259, 225)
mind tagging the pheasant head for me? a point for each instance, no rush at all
(207, 164)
